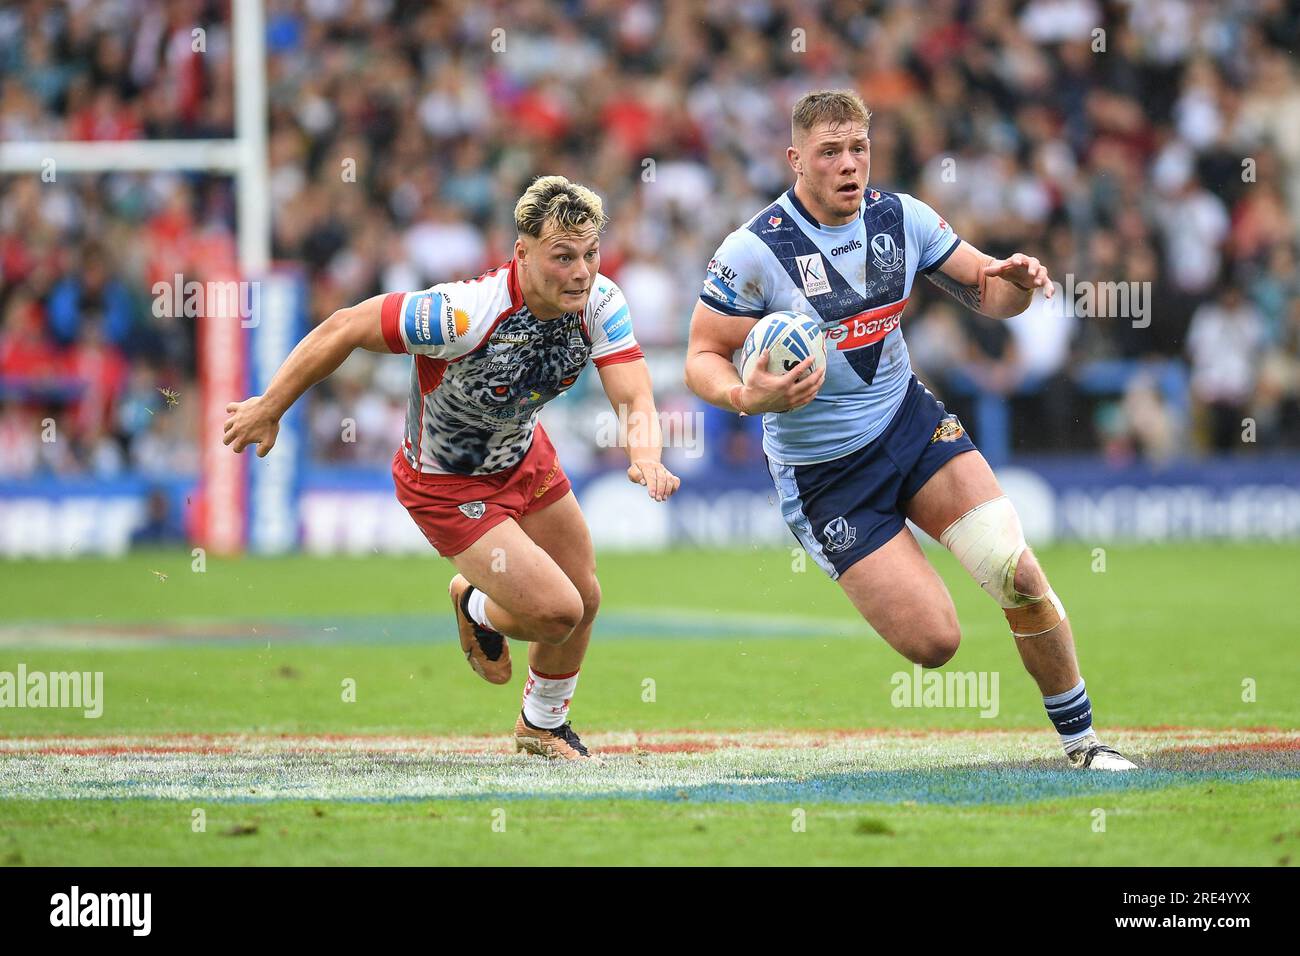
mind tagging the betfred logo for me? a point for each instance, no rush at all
(849, 247)
(867, 328)
(422, 320)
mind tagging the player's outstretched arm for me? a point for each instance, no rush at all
(998, 288)
(627, 384)
(256, 420)
(711, 375)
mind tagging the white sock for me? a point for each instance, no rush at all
(1070, 742)
(546, 698)
(477, 606)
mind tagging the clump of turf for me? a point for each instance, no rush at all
(870, 826)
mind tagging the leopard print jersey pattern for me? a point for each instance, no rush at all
(480, 418)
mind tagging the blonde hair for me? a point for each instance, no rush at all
(827, 106)
(553, 199)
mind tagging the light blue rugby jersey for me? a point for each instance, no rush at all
(855, 279)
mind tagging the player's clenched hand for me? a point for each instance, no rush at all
(769, 392)
(658, 480)
(250, 423)
(1022, 270)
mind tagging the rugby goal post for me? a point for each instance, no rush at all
(223, 354)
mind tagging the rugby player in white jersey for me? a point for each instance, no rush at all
(860, 446)
(476, 471)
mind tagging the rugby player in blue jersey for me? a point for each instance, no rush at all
(860, 446)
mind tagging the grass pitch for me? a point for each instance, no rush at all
(747, 714)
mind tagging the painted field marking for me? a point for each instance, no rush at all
(400, 629)
(768, 766)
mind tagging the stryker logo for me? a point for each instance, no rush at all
(609, 296)
(849, 247)
(103, 909)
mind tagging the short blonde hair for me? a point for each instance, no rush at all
(553, 199)
(827, 106)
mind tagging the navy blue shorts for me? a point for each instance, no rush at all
(844, 509)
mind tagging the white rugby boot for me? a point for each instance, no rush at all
(1089, 754)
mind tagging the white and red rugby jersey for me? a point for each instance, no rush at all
(484, 365)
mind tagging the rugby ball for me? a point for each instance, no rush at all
(792, 337)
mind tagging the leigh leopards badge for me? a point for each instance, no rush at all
(473, 509)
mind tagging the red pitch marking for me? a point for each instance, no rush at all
(1258, 745)
(653, 741)
(111, 750)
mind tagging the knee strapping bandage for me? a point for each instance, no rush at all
(988, 541)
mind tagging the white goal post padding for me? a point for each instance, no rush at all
(223, 349)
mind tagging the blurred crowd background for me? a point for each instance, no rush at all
(1164, 150)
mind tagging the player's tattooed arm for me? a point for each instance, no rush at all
(998, 288)
(968, 295)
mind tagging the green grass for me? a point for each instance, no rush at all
(1244, 825)
(1141, 587)
(1166, 637)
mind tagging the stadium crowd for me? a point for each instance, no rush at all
(1148, 144)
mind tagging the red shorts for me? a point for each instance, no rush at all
(454, 511)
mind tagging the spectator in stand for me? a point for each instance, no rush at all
(1278, 395)
(88, 294)
(1224, 344)
(1125, 166)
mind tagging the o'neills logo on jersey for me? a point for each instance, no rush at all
(866, 328)
(848, 247)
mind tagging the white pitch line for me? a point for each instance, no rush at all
(245, 767)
